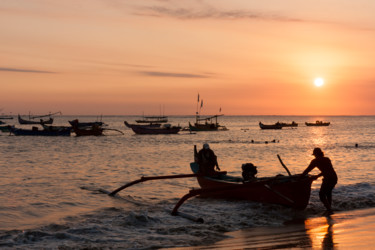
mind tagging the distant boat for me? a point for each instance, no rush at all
(277, 125)
(41, 121)
(79, 124)
(317, 123)
(152, 129)
(35, 131)
(6, 117)
(94, 129)
(153, 120)
(292, 124)
(6, 128)
(206, 124)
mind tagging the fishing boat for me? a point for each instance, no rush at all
(292, 124)
(206, 124)
(152, 120)
(6, 128)
(56, 128)
(277, 125)
(94, 129)
(317, 123)
(35, 131)
(153, 128)
(6, 117)
(79, 124)
(291, 191)
(33, 122)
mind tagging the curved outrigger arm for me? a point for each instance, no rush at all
(144, 178)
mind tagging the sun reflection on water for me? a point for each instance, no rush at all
(321, 232)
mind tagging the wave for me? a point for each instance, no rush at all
(149, 225)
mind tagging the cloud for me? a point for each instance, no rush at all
(26, 71)
(211, 13)
(169, 74)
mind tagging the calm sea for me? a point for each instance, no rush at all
(49, 186)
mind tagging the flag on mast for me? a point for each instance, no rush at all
(202, 103)
(198, 97)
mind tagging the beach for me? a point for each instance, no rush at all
(343, 230)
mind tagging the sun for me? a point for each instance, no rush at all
(319, 82)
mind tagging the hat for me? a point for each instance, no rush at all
(317, 151)
(206, 146)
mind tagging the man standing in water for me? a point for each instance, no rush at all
(329, 177)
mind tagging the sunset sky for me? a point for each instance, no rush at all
(123, 57)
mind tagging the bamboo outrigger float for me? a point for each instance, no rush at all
(291, 191)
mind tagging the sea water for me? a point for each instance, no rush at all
(50, 187)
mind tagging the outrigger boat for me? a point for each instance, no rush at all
(6, 128)
(277, 125)
(153, 120)
(317, 123)
(94, 129)
(291, 191)
(85, 124)
(153, 129)
(206, 124)
(41, 121)
(35, 131)
(292, 124)
(89, 129)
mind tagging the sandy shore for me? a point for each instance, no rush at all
(343, 230)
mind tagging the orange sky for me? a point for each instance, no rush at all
(122, 57)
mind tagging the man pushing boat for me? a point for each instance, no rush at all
(329, 177)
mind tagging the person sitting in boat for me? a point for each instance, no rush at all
(329, 177)
(207, 161)
(248, 172)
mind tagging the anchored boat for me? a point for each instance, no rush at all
(317, 123)
(277, 125)
(153, 128)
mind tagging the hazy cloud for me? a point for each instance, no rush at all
(211, 13)
(169, 74)
(26, 71)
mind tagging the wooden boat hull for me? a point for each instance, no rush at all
(94, 131)
(37, 132)
(288, 125)
(323, 124)
(85, 124)
(206, 127)
(6, 128)
(155, 130)
(283, 190)
(272, 126)
(41, 121)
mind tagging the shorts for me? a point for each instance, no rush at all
(327, 186)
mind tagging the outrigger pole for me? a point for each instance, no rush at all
(150, 178)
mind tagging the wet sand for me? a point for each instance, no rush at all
(343, 230)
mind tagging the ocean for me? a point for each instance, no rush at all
(50, 186)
